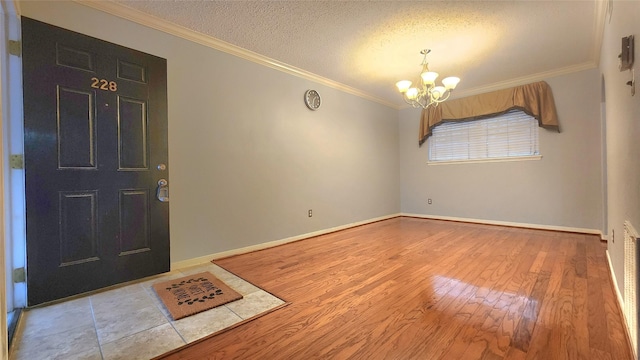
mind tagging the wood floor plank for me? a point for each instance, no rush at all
(596, 354)
(460, 344)
(580, 320)
(549, 310)
(539, 347)
(596, 318)
(408, 288)
(537, 263)
(562, 340)
(515, 354)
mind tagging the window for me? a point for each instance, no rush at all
(510, 135)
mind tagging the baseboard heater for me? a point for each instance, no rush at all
(631, 284)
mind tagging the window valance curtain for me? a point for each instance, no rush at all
(534, 99)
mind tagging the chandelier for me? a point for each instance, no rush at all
(428, 94)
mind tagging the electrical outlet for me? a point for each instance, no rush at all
(429, 201)
(310, 213)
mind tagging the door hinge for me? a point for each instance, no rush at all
(19, 275)
(16, 161)
(15, 48)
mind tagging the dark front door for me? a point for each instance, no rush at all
(95, 122)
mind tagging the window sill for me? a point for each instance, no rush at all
(503, 159)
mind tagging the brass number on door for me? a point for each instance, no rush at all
(104, 84)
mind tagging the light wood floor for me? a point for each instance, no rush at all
(410, 288)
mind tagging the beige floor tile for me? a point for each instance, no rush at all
(200, 325)
(254, 304)
(143, 345)
(132, 296)
(158, 303)
(93, 354)
(64, 345)
(239, 285)
(168, 276)
(57, 318)
(125, 321)
(129, 322)
(196, 269)
(123, 312)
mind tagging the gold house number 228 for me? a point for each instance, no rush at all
(103, 84)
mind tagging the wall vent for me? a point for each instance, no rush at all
(631, 283)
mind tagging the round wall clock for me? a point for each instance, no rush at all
(312, 99)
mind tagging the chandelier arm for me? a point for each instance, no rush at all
(410, 102)
(445, 97)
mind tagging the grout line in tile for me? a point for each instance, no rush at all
(235, 313)
(132, 334)
(178, 332)
(149, 290)
(95, 327)
(151, 297)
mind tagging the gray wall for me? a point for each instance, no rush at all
(623, 130)
(247, 159)
(564, 188)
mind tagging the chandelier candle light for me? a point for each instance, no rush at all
(429, 94)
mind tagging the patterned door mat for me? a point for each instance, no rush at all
(193, 294)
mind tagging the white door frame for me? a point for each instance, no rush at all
(4, 304)
(11, 125)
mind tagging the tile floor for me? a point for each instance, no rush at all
(103, 326)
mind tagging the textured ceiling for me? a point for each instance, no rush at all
(369, 45)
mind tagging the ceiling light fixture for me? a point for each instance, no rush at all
(428, 94)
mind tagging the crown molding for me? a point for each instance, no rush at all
(156, 23)
(527, 79)
(600, 15)
(521, 80)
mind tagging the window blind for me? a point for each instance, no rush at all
(513, 134)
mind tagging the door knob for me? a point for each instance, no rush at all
(163, 190)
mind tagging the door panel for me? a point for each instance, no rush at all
(132, 133)
(78, 227)
(95, 131)
(134, 221)
(76, 129)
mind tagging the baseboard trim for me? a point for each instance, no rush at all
(207, 258)
(508, 223)
(614, 284)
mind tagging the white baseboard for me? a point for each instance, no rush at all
(508, 223)
(615, 282)
(207, 258)
(621, 304)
